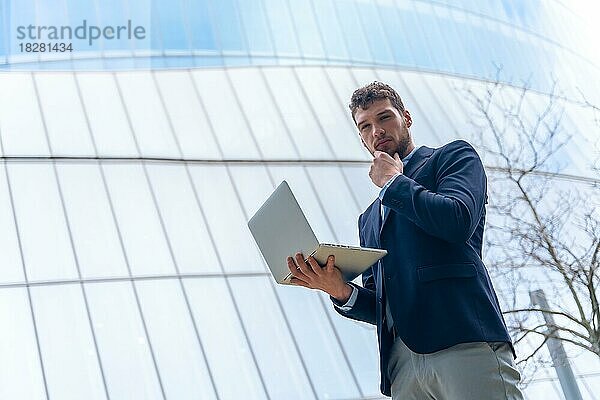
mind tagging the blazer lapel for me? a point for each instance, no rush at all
(373, 222)
(377, 216)
(417, 160)
(385, 218)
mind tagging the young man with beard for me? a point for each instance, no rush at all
(440, 330)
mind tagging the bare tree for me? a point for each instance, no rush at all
(543, 225)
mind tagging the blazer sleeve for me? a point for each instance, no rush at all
(364, 308)
(453, 211)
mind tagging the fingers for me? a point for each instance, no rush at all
(305, 269)
(309, 274)
(296, 273)
(314, 265)
(383, 156)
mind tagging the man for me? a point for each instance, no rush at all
(440, 330)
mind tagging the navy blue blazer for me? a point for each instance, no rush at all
(433, 277)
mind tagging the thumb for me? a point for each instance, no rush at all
(397, 157)
(330, 262)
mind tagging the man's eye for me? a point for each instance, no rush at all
(385, 117)
(364, 127)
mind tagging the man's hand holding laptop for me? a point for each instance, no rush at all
(311, 275)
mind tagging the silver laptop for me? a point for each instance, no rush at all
(281, 229)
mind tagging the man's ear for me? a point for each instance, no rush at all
(407, 118)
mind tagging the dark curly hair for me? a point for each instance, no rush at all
(365, 96)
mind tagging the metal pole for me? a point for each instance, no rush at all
(561, 363)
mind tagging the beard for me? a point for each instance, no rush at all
(403, 146)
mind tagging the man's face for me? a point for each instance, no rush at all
(382, 127)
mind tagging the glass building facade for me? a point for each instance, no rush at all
(128, 174)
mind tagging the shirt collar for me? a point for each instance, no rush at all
(409, 156)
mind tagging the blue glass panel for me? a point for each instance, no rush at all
(455, 43)
(396, 35)
(409, 20)
(174, 62)
(236, 61)
(377, 40)
(226, 20)
(518, 58)
(282, 28)
(351, 28)
(268, 61)
(490, 48)
(306, 26)
(493, 56)
(469, 5)
(49, 14)
(210, 61)
(140, 14)
(155, 62)
(94, 63)
(171, 26)
(118, 63)
(492, 8)
(255, 26)
(20, 14)
(432, 39)
(155, 30)
(475, 48)
(4, 29)
(335, 45)
(523, 13)
(531, 64)
(545, 72)
(111, 13)
(515, 64)
(78, 11)
(511, 10)
(199, 22)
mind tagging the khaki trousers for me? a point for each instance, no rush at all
(467, 371)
